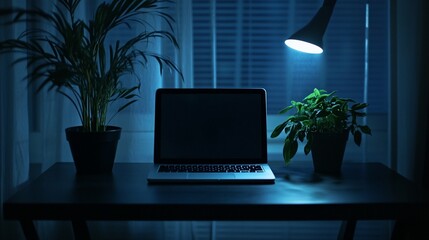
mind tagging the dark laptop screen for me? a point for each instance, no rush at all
(210, 126)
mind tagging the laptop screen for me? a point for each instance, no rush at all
(210, 126)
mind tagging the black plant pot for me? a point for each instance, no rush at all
(93, 152)
(327, 151)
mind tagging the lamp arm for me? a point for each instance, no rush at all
(323, 16)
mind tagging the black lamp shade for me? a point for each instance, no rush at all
(310, 38)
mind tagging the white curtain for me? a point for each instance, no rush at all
(32, 135)
(14, 134)
(33, 138)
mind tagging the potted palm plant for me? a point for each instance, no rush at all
(83, 61)
(324, 121)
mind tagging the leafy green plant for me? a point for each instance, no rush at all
(319, 112)
(73, 55)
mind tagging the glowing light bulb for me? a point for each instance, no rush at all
(303, 46)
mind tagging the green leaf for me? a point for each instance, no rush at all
(307, 148)
(277, 130)
(358, 106)
(294, 149)
(287, 128)
(316, 92)
(126, 105)
(289, 150)
(357, 137)
(301, 135)
(322, 91)
(286, 151)
(322, 97)
(131, 96)
(286, 109)
(310, 96)
(365, 129)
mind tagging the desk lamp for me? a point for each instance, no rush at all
(309, 39)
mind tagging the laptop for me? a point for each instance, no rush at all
(210, 135)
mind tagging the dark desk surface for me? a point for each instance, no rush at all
(364, 191)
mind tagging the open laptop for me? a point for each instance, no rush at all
(210, 135)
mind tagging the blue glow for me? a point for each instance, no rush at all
(303, 46)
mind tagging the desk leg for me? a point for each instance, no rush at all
(80, 230)
(347, 230)
(30, 232)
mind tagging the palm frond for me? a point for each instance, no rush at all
(71, 55)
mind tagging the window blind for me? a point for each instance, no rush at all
(250, 51)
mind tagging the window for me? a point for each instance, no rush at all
(241, 44)
(249, 49)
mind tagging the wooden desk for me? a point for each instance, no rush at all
(367, 191)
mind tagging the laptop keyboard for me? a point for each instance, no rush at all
(211, 168)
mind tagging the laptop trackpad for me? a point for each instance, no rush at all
(209, 176)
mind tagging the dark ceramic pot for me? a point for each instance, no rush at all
(327, 151)
(93, 152)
